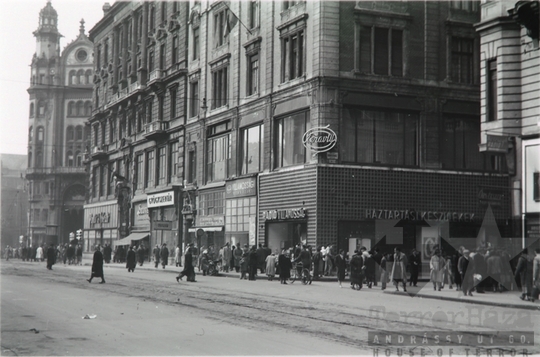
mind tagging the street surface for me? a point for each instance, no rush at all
(147, 313)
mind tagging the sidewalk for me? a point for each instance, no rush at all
(508, 299)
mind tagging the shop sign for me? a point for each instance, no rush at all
(160, 199)
(283, 214)
(241, 188)
(187, 209)
(411, 215)
(495, 144)
(319, 139)
(532, 227)
(39, 230)
(142, 210)
(162, 225)
(141, 215)
(102, 217)
(491, 197)
(209, 221)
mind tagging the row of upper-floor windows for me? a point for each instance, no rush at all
(42, 106)
(72, 133)
(80, 77)
(79, 108)
(74, 157)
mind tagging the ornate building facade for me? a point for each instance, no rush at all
(510, 104)
(60, 103)
(136, 155)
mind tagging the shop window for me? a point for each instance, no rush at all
(380, 137)
(238, 212)
(290, 149)
(462, 60)
(251, 154)
(459, 144)
(212, 203)
(150, 169)
(381, 50)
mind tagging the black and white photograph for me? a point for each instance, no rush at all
(270, 178)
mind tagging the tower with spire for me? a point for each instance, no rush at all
(60, 96)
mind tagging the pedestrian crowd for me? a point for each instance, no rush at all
(486, 269)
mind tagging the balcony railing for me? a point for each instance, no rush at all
(70, 170)
(156, 130)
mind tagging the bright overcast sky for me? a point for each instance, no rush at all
(17, 45)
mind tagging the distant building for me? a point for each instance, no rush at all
(510, 104)
(14, 200)
(60, 102)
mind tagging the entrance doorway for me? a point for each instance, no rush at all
(285, 235)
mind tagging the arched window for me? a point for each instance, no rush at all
(88, 75)
(69, 133)
(41, 107)
(80, 108)
(79, 133)
(39, 159)
(88, 108)
(81, 77)
(30, 134)
(69, 158)
(78, 158)
(40, 134)
(32, 109)
(71, 109)
(73, 77)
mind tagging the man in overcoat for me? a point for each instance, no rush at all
(97, 266)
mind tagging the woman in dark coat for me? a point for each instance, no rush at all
(341, 265)
(97, 266)
(357, 270)
(189, 270)
(164, 254)
(51, 256)
(253, 263)
(285, 266)
(131, 261)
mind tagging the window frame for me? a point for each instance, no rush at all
(279, 143)
(244, 151)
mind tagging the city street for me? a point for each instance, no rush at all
(148, 313)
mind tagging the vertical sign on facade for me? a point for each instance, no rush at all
(252, 230)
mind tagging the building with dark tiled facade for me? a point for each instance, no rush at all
(136, 156)
(399, 85)
(327, 123)
(60, 103)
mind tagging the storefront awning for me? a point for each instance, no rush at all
(130, 238)
(206, 229)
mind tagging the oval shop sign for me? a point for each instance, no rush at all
(319, 139)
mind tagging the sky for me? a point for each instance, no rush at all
(18, 21)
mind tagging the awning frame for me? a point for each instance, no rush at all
(132, 237)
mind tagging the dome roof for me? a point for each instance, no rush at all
(48, 11)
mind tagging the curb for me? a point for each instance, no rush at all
(472, 301)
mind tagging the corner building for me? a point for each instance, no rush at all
(60, 96)
(136, 156)
(510, 104)
(399, 85)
